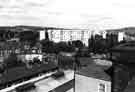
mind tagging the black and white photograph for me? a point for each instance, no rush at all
(67, 46)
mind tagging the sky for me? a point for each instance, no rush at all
(84, 14)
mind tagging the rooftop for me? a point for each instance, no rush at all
(94, 71)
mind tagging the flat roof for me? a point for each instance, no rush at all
(95, 72)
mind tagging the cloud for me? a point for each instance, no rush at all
(98, 14)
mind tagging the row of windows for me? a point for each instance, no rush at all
(60, 35)
(17, 51)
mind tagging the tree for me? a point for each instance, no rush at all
(28, 36)
(46, 35)
(11, 61)
(77, 43)
(92, 43)
(48, 46)
(63, 46)
(2, 68)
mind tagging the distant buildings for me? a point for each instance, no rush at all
(57, 35)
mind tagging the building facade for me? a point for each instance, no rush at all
(91, 84)
(68, 35)
(92, 79)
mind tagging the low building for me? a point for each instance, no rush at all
(63, 84)
(92, 79)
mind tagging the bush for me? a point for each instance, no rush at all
(77, 43)
(2, 68)
(12, 61)
(48, 46)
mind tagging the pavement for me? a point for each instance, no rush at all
(87, 61)
(103, 62)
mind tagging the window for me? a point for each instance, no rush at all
(101, 87)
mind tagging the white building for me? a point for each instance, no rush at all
(41, 35)
(120, 36)
(92, 79)
(58, 35)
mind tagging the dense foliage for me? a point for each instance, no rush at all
(98, 44)
(52, 47)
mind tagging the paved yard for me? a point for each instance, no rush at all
(85, 62)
